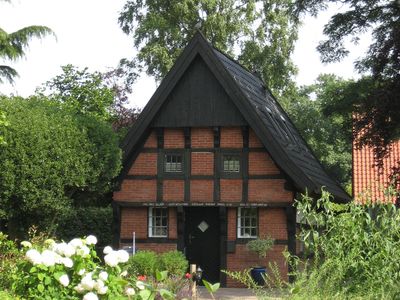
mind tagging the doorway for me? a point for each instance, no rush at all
(202, 240)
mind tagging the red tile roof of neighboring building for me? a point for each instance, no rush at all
(370, 182)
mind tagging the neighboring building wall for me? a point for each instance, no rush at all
(259, 181)
(369, 182)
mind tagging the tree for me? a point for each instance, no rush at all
(100, 95)
(376, 96)
(263, 32)
(327, 132)
(13, 45)
(51, 155)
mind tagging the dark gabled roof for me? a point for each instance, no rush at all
(259, 108)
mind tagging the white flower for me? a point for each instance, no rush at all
(79, 288)
(26, 244)
(64, 280)
(102, 291)
(48, 258)
(140, 285)
(49, 242)
(83, 251)
(64, 249)
(111, 259)
(87, 282)
(124, 273)
(66, 261)
(123, 256)
(98, 284)
(81, 272)
(91, 240)
(130, 291)
(34, 256)
(76, 243)
(90, 296)
(103, 276)
(107, 250)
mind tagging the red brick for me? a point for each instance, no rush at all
(231, 190)
(202, 163)
(231, 137)
(174, 138)
(172, 223)
(133, 220)
(202, 138)
(151, 141)
(231, 220)
(145, 164)
(254, 141)
(260, 163)
(272, 222)
(173, 190)
(137, 191)
(201, 190)
(268, 190)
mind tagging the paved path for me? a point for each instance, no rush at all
(226, 294)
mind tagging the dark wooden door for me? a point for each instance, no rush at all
(202, 240)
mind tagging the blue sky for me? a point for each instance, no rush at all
(88, 35)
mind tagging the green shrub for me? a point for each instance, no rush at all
(9, 257)
(356, 250)
(143, 263)
(85, 221)
(261, 245)
(174, 262)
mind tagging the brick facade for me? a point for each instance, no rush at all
(260, 182)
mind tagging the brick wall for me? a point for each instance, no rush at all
(254, 141)
(272, 221)
(133, 220)
(151, 141)
(145, 164)
(260, 163)
(174, 138)
(202, 163)
(173, 190)
(231, 137)
(137, 191)
(202, 190)
(156, 247)
(269, 190)
(231, 190)
(202, 138)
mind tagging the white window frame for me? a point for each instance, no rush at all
(172, 167)
(239, 223)
(152, 221)
(233, 166)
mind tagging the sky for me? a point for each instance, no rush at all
(88, 35)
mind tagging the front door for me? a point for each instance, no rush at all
(202, 240)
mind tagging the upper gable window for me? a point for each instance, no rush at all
(231, 163)
(173, 163)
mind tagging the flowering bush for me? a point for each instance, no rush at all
(69, 270)
(74, 271)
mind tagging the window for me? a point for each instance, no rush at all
(158, 222)
(247, 223)
(173, 163)
(231, 163)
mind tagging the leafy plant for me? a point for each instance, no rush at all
(174, 262)
(261, 245)
(211, 288)
(143, 263)
(355, 250)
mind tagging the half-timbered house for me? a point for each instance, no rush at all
(212, 162)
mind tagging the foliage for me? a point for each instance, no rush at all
(327, 131)
(9, 256)
(13, 45)
(174, 262)
(263, 32)
(82, 221)
(50, 155)
(261, 245)
(274, 285)
(356, 250)
(80, 91)
(211, 288)
(376, 96)
(3, 124)
(143, 263)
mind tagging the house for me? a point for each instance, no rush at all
(370, 182)
(212, 162)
